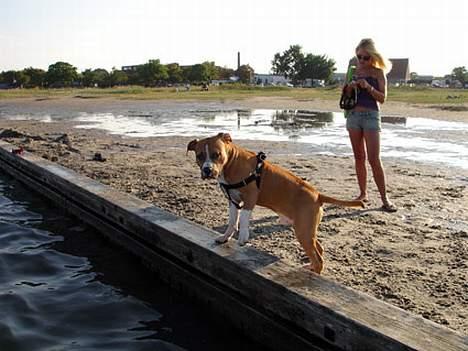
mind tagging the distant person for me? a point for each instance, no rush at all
(363, 121)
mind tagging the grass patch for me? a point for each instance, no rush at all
(415, 95)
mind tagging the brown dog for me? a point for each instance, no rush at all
(247, 181)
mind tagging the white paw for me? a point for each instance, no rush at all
(243, 238)
(242, 242)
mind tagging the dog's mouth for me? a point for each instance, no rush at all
(208, 175)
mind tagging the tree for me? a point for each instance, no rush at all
(225, 73)
(461, 74)
(152, 73)
(61, 74)
(175, 73)
(317, 67)
(245, 74)
(197, 73)
(22, 79)
(117, 77)
(87, 77)
(296, 65)
(211, 70)
(290, 63)
(9, 77)
(37, 77)
(101, 77)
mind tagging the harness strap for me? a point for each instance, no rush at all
(255, 175)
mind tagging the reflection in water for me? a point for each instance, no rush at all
(300, 119)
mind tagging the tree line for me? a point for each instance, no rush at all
(152, 73)
(292, 63)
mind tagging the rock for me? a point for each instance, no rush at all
(10, 133)
(98, 157)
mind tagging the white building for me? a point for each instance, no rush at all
(270, 79)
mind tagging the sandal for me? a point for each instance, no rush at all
(363, 199)
(389, 207)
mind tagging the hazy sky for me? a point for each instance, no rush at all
(108, 33)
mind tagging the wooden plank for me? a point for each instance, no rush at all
(312, 307)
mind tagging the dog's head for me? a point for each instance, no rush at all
(211, 154)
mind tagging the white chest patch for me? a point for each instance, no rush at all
(234, 193)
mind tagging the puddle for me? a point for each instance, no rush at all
(418, 139)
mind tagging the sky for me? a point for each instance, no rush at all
(113, 33)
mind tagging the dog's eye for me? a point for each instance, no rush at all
(215, 155)
(201, 156)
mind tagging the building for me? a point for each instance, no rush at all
(270, 79)
(338, 77)
(422, 79)
(132, 68)
(233, 79)
(400, 72)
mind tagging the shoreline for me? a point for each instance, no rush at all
(391, 108)
(416, 258)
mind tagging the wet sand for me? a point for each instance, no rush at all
(64, 105)
(416, 258)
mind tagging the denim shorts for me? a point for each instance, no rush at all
(363, 120)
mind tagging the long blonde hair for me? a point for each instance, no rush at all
(377, 59)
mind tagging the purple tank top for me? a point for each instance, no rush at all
(364, 98)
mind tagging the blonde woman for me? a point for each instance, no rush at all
(363, 122)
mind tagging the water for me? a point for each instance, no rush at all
(63, 287)
(435, 142)
(419, 139)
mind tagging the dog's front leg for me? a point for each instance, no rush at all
(244, 226)
(233, 225)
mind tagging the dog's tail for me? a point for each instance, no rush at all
(331, 200)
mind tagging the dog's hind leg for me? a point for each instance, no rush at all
(306, 228)
(233, 225)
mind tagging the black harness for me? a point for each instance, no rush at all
(255, 175)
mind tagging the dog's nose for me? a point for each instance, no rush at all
(207, 171)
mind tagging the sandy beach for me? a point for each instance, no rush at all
(416, 258)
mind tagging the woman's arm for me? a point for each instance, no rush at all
(378, 94)
(381, 94)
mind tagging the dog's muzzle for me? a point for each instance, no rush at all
(207, 172)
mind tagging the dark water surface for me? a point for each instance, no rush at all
(64, 287)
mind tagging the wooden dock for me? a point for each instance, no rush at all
(281, 306)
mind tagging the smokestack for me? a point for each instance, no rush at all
(238, 59)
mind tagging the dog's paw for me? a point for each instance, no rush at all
(222, 239)
(243, 237)
(242, 242)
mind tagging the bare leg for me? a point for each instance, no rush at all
(373, 151)
(359, 151)
(233, 225)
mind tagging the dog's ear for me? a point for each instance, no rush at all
(226, 137)
(191, 145)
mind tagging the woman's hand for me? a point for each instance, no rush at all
(363, 84)
(349, 87)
